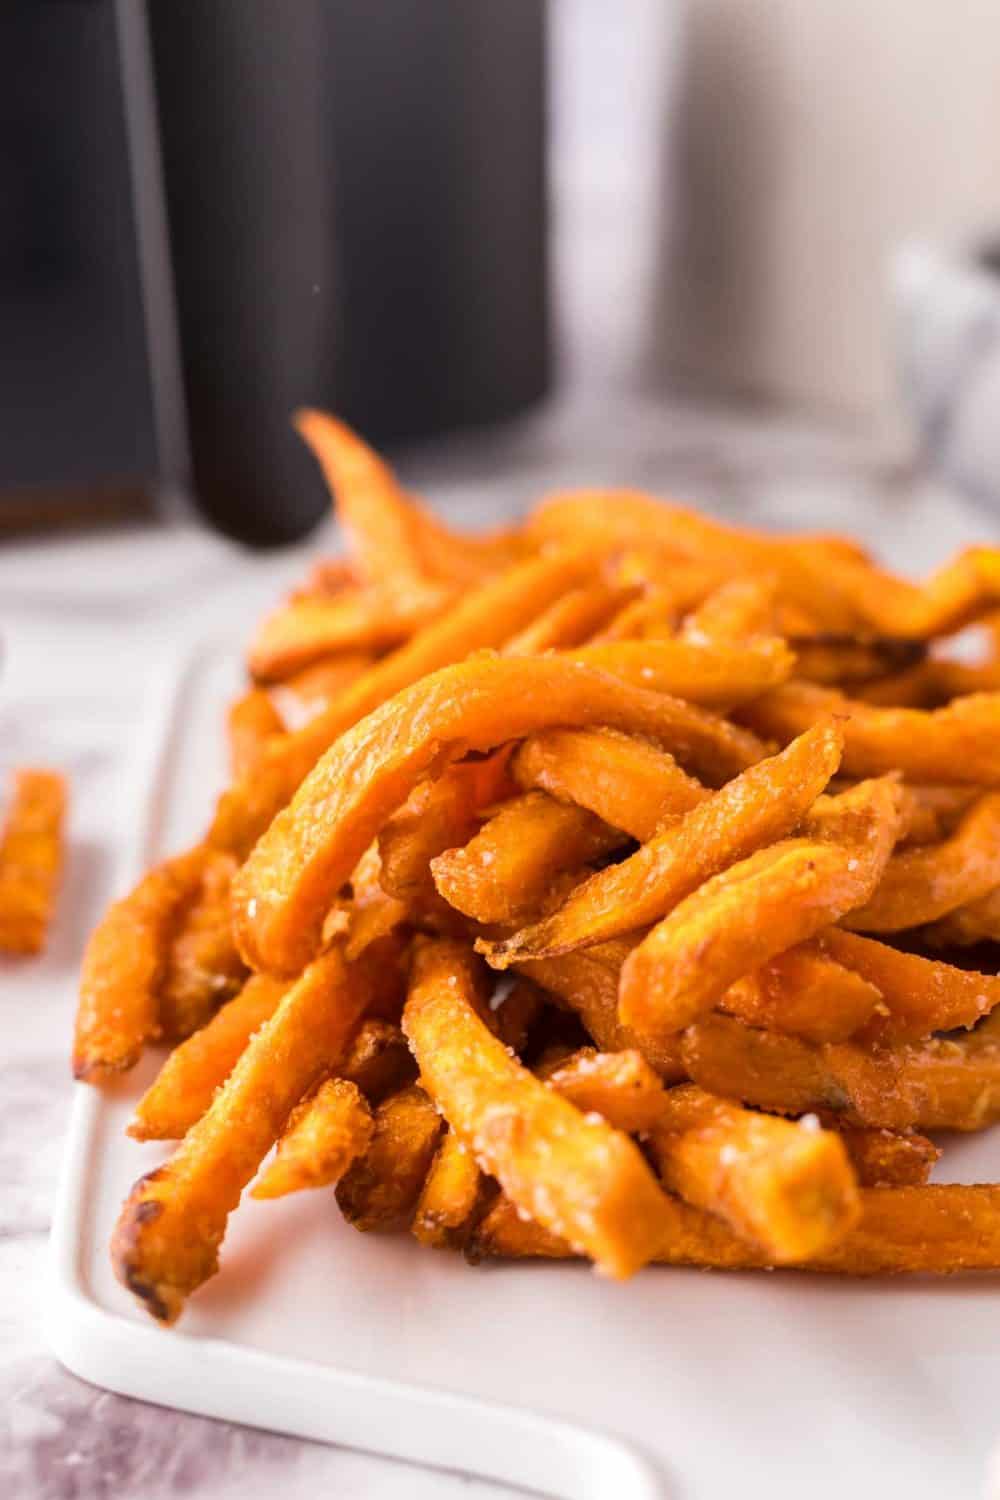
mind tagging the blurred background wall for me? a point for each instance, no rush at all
(730, 182)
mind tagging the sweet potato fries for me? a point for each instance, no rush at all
(621, 885)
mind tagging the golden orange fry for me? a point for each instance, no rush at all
(306, 694)
(919, 995)
(570, 620)
(747, 914)
(504, 872)
(186, 1083)
(251, 723)
(804, 992)
(375, 513)
(788, 1187)
(959, 743)
(284, 890)
(921, 885)
(736, 611)
(653, 616)
(450, 1196)
(167, 1239)
(123, 968)
(574, 1173)
(31, 858)
(712, 673)
(887, 1158)
(621, 1086)
(379, 1192)
(302, 632)
(754, 809)
(937, 1229)
(323, 1136)
(629, 783)
(202, 967)
(945, 1083)
(439, 814)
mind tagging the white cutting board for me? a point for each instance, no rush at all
(682, 1384)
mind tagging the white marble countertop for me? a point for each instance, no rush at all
(81, 619)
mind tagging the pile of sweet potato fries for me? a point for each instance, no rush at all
(610, 886)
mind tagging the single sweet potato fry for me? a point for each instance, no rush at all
(960, 743)
(887, 1158)
(945, 1083)
(692, 1237)
(749, 913)
(712, 673)
(301, 632)
(629, 783)
(575, 1174)
(570, 620)
(324, 1135)
(921, 885)
(31, 858)
(203, 968)
(293, 874)
(736, 611)
(621, 1086)
(920, 996)
(379, 520)
(756, 808)
(306, 694)
(124, 965)
(167, 1238)
(937, 1229)
(439, 814)
(450, 1196)
(485, 618)
(187, 1082)
(503, 873)
(651, 617)
(379, 1192)
(251, 723)
(803, 992)
(789, 1187)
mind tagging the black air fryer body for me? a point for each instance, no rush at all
(225, 209)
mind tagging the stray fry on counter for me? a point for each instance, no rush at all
(608, 886)
(31, 859)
